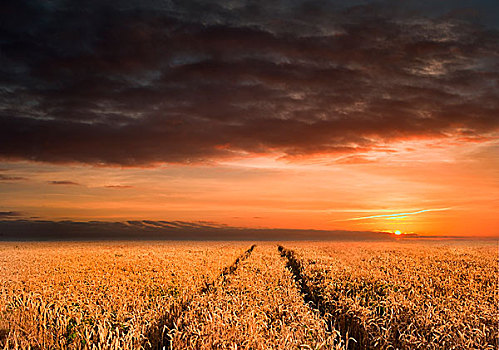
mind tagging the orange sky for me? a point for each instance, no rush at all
(444, 187)
(333, 115)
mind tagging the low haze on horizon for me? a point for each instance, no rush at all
(314, 115)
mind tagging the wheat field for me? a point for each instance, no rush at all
(237, 295)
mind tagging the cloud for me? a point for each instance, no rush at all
(9, 214)
(64, 182)
(399, 215)
(354, 159)
(164, 230)
(11, 178)
(140, 83)
(41, 230)
(119, 186)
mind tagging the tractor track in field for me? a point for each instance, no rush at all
(313, 296)
(167, 322)
(227, 271)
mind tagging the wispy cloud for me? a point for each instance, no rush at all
(64, 182)
(9, 214)
(11, 178)
(398, 215)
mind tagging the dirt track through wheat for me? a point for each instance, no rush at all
(168, 321)
(349, 327)
(228, 270)
(259, 307)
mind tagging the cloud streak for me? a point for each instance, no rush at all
(9, 214)
(64, 182)
(399, 215)
(11, 178)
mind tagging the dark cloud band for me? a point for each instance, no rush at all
(136, 83)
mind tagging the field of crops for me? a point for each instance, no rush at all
(235, 295)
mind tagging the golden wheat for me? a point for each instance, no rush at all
(99, 295)
(407, 296)
(117, 295)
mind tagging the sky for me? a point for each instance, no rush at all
(315, 115)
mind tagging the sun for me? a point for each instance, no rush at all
(398, 233)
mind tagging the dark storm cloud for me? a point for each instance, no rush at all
(136, 83)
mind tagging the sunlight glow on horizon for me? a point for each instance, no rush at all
(271, 192)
